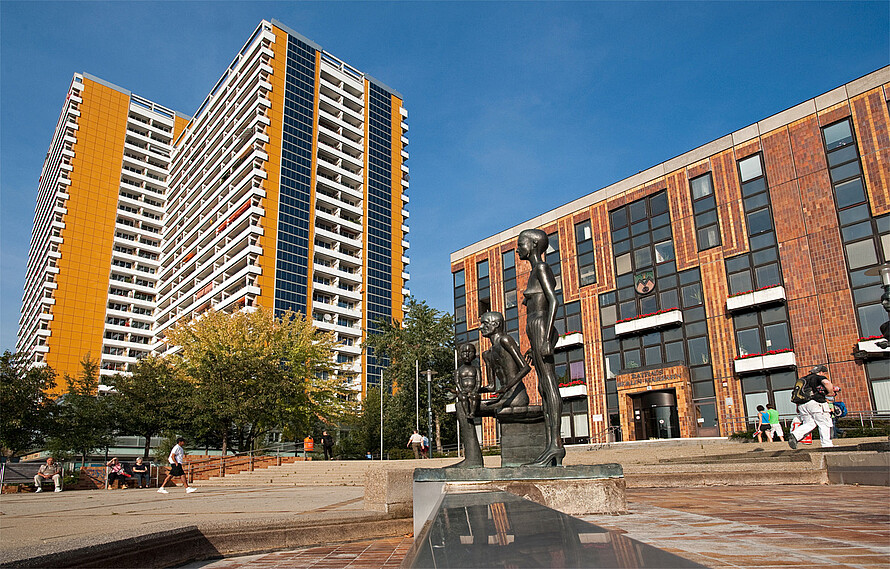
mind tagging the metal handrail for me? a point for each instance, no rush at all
(788, 418)
(206, 464)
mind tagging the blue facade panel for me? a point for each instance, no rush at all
(379, 224)
(292, 256)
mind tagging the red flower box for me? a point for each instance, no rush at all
(647, 315)
(769, 353)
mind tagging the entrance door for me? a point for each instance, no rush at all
(655, 415)
(706, 419)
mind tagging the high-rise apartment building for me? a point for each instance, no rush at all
(287, 189)
(90, 285)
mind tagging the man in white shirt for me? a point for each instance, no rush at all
(415, 443)
(176, 459)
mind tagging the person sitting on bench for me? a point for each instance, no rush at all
(116, 472)
(49, 470)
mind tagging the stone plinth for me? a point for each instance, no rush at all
(522, 442)
(573, 490)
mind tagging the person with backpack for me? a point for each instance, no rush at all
(809, 394)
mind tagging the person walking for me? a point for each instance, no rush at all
(816, 411)
(327, 443)
(761, 426)
(425, 447)
(415, 443)
(775, 427)
(176, 460)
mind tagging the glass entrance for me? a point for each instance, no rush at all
(655, 415)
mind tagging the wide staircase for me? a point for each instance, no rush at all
(742, 469)
(317, 473)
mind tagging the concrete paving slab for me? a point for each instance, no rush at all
(721, 527)
(46, 523)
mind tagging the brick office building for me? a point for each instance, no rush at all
(698, 289)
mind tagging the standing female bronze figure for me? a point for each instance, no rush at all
(541, 304)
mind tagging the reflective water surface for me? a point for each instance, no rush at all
(498, 529)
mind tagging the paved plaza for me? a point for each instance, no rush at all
(721, 527)
(323, 525)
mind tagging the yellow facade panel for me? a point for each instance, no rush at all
(396, 208)
(79, 312)
(268, 241)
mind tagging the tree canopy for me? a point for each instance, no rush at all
(425, 336)
(25, 403)
(253, 371)
(155, 397)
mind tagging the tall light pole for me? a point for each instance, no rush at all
(417, 395)
(429, 405)
(381, 414)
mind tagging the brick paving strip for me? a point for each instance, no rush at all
(720, 527)
(765, 526)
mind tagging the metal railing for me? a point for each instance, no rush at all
(730, 425)
(218, 464)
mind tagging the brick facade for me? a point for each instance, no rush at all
(819, 300)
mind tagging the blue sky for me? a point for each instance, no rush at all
(515, 107)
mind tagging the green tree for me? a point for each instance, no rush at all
(25, 401)
(82, 421)
(425, 336)
(150, 400)
(254, 372)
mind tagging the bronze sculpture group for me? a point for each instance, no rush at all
(506, 367)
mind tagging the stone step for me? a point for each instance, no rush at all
(740, 458)
(723, 478)
(720, 474)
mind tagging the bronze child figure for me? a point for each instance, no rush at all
(541, 304)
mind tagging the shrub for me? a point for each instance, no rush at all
(743, 436)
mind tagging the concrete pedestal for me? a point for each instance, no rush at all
(521, 443)
(573, 490)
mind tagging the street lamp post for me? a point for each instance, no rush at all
(429, 404)
(381, 414)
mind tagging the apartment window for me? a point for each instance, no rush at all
(760, 267)
(568, 318)
(774, 388)
(483, 286)
(460, 303)
(762, 331)
(584, 251)
(704, 206)
(511, 305)
(866, 238)
(642, 243)
(553, 258)
(575, 424)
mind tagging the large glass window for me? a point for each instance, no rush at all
(584, 250)
(460, 302)
(866, 238)
(511, 307)
(704, 206)
(760, 267)
(483, 286)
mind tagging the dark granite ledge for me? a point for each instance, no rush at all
(589, 471)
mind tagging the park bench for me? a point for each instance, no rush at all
(20, 472)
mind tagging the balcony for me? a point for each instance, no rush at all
(762, 362)
(663, 319)
(755, 298)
